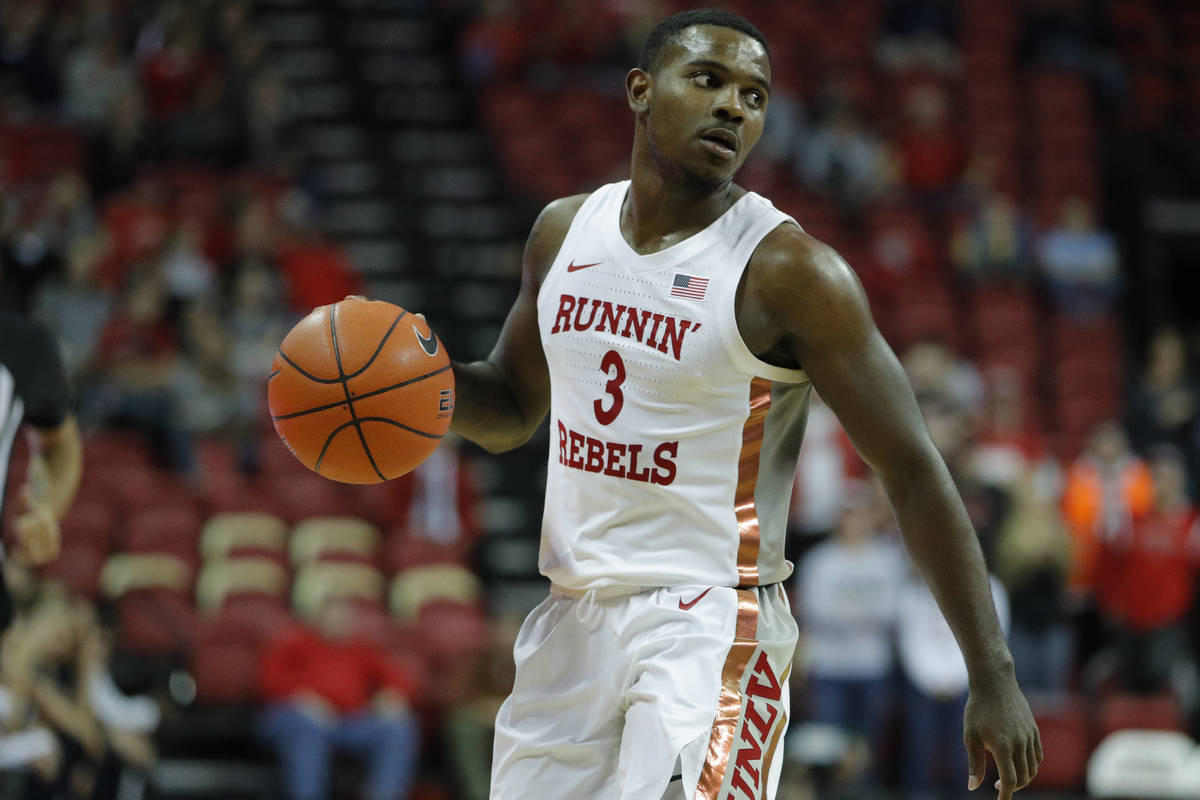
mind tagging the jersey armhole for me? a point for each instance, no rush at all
(727, 313)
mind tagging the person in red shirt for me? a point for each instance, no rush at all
(330, 690)
(1146, 577)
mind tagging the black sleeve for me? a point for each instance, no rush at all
(49, 400)
(30, 354)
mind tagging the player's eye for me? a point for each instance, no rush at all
(755, 99)
(706, 80)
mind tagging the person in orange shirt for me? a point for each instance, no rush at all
(1106, 486)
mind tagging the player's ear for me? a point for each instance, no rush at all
(638, 87)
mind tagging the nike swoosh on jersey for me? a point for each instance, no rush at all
(685, 606)
(573, 266)
(430, 345)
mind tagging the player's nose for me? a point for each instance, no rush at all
(728, 106)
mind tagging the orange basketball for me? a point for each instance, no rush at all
(361, 391)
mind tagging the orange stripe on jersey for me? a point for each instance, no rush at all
(729, 706)
(744, 504)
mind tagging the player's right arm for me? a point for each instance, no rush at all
(501, 400)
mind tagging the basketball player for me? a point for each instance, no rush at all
(34, 389)
(673, 326)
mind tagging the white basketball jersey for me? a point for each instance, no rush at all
(672, 447)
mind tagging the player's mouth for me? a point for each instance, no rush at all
(721, 141)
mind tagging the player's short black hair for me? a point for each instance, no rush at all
(666, 33)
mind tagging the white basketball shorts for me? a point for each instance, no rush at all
(677, 693)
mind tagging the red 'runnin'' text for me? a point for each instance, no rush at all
(662, 332)
(587, 453)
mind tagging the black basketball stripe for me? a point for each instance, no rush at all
(387, 420)
(346, 388)
(363, 396)
(341, 375)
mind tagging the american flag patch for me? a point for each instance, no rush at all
(688, 286)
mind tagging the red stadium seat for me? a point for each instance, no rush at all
(1161, 712)
(307, 495)
(1063, 722)
(88, 523)
(225, 659)
(78, 567)
(164, 530)
(155, 621)
(225, 672)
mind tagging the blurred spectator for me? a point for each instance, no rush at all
(824, 473)
(208, 129)
(934, 760)
(848, 588)
(438, 503)
(919, 34)
(1106, 486)
(784, 129)
(122, 146)
(128, 383)
(36, 226)
(257, 319)
(470, 722)
(25, 51)
(172, 73)
(994, 244)
(936, 373)
(1147, 576)
(188, 273)
(1032, 558)
(55, 672)
(75, 306)
(842, 158)
(98, 74)
(1080, 263)
(317, 269)
(209, 397)
(932, 155)
(329, 691)
(1008, 444)
(1165, 404)
(1059, 33)
(493, 45)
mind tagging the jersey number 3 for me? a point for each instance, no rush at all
(614, 367)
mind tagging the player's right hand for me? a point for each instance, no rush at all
(38, 535)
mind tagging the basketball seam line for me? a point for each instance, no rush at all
(346, 388)
(388, 420)
(371, 393)
(341, 375)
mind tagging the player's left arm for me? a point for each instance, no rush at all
(809, 299)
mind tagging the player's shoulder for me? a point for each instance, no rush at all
(789, 262)
(557, 216)
(550, 229)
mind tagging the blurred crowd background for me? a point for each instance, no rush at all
(1016, 182)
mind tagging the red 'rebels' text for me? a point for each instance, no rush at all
(663, 332)
(630, 461)
(763, 710)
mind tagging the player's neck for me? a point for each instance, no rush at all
(659, 212)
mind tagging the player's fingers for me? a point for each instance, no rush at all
(1008, 782)
(1031, 759)
(1037, 746)
(976, 761)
